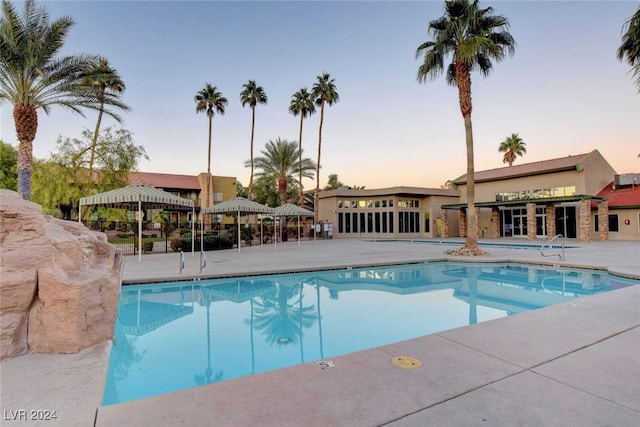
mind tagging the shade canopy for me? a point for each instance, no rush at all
(238, 206)
(136, 197)
(128, 198)
(289, 209)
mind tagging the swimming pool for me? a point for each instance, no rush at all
(173, 336)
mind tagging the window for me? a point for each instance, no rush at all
(613, 222)
(377, 222)
(614, 225)
(409, 222)
(217, 196)
(362, 222)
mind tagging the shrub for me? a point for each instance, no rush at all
(147, 247)
(176, 244)
(210, 242)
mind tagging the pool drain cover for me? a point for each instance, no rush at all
(406, 362)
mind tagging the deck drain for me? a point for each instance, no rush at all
(406, 362)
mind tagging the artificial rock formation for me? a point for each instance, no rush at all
(59, 282)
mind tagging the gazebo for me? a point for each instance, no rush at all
(289, 209)
(238, 206)
(135, 197)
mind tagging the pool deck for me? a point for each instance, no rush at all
(576, 363)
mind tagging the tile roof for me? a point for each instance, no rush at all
(165, 180)
(535, 168)
(621, 197)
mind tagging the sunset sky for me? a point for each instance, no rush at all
(563, 91)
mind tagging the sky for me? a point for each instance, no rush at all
(563, 91)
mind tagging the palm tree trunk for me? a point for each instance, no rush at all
(472, 219)
(301, 200)
(315, 194)
(282, 189)
(463, 80)
(25, 118)
(253, 121)
(94, 143)
(208, 195)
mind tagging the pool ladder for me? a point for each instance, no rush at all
(548, 244)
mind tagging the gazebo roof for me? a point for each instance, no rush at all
(129, 196)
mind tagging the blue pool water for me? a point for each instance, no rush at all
(173, 336)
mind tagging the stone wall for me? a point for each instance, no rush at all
(59, 284)
(603, 220)
(584, 221)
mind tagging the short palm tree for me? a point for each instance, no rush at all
(33, 76)
(209, 100)
(302, 105)
(106, 81)
(253, 95)
(324, 90)
(280, 162)
(630, 47)
(512, 147)
(473, 36)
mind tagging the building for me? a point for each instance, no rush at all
(396, 212)
(579, 196)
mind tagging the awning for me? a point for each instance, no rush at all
(135, 197)
(129, 196)
(289, 209)
(238, 206)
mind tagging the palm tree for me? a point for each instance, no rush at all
(512, 147)
(280, 161)
(106, 82)
(209, 100)
(324, 90)
(33, 77)
(252, 94)
(473, 36)
(630, 47)
(301, 104)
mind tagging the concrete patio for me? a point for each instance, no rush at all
(571, 364)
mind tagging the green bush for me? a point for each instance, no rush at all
(176, 244)
(211, 242)
(147, 247)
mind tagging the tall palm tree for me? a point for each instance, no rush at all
(209, 100)
(33, 76)
(302, 105)
(324, 90)
(106, 81)
(630, 47)
(280, 161)
(473, 36)
(512, 147)
(253, 95)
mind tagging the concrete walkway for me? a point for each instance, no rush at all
(571, 364)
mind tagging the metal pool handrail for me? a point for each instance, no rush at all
(549, 242)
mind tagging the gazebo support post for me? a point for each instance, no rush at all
(139, 230)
